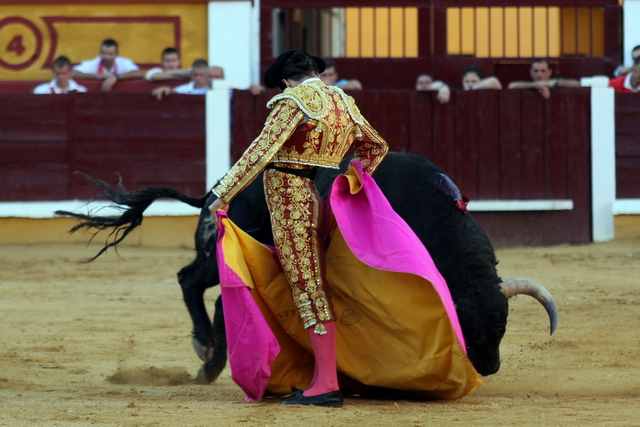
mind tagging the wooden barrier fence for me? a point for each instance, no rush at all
(496, 145)
(627, 145)
(492, 142)
(502, 145)
(46, 139)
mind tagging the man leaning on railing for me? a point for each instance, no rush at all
(542, 81)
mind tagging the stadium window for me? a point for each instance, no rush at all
(524, 32)
(353, 32)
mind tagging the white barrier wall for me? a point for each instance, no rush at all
(631, 29)
(603, 162)
(234, 38)
(218, 131)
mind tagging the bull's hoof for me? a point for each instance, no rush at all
(202, 378)
(204, 353)
(210, 371)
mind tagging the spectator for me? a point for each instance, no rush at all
(256, 89)
(201, 77)
(623, 70)
(330, 77)
(425, 83)
(541, 74)
(171, 68)
(629, 82)
(472, 79)
(217, 73)
(62, 81)
(108, 67)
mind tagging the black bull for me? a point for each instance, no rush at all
(414, 187)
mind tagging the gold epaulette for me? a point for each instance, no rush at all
(313, 100)
(353, 109)
(310, 98)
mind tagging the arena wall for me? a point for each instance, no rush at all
(46, 140)
(523, 161)
(175, 231)
(166, 232)
(32, 36)
(34, 32)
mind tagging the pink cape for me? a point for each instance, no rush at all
(251, 344)
(397, 328)
(378, 237)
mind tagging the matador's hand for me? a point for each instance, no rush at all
(215, 206)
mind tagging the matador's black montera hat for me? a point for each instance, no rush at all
(273, 75)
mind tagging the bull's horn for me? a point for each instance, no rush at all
(528, 287)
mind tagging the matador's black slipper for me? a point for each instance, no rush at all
(333, 399)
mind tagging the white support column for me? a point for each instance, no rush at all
(603, 162)
(254, 41)
(218, 134)
(631, 36)
(232, 40)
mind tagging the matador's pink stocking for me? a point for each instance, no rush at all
(325, 377)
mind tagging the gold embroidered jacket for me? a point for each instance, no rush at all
(309, 125)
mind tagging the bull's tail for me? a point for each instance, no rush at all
(137, 203)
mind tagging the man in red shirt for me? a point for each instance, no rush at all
(630, 82)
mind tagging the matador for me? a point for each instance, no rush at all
(310, 126)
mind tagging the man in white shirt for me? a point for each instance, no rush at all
(62, 81)
(108, 67)
(201, 77)
(170, 69)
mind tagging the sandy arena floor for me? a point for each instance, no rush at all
(108, 344)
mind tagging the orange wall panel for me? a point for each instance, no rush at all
(32, 36)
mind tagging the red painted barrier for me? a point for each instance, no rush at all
(45, 139)
(141, 86)
(628, 145)
(496, 145)
(492, 142)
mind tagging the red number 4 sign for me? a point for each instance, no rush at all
(15, 45)
(17, 48)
